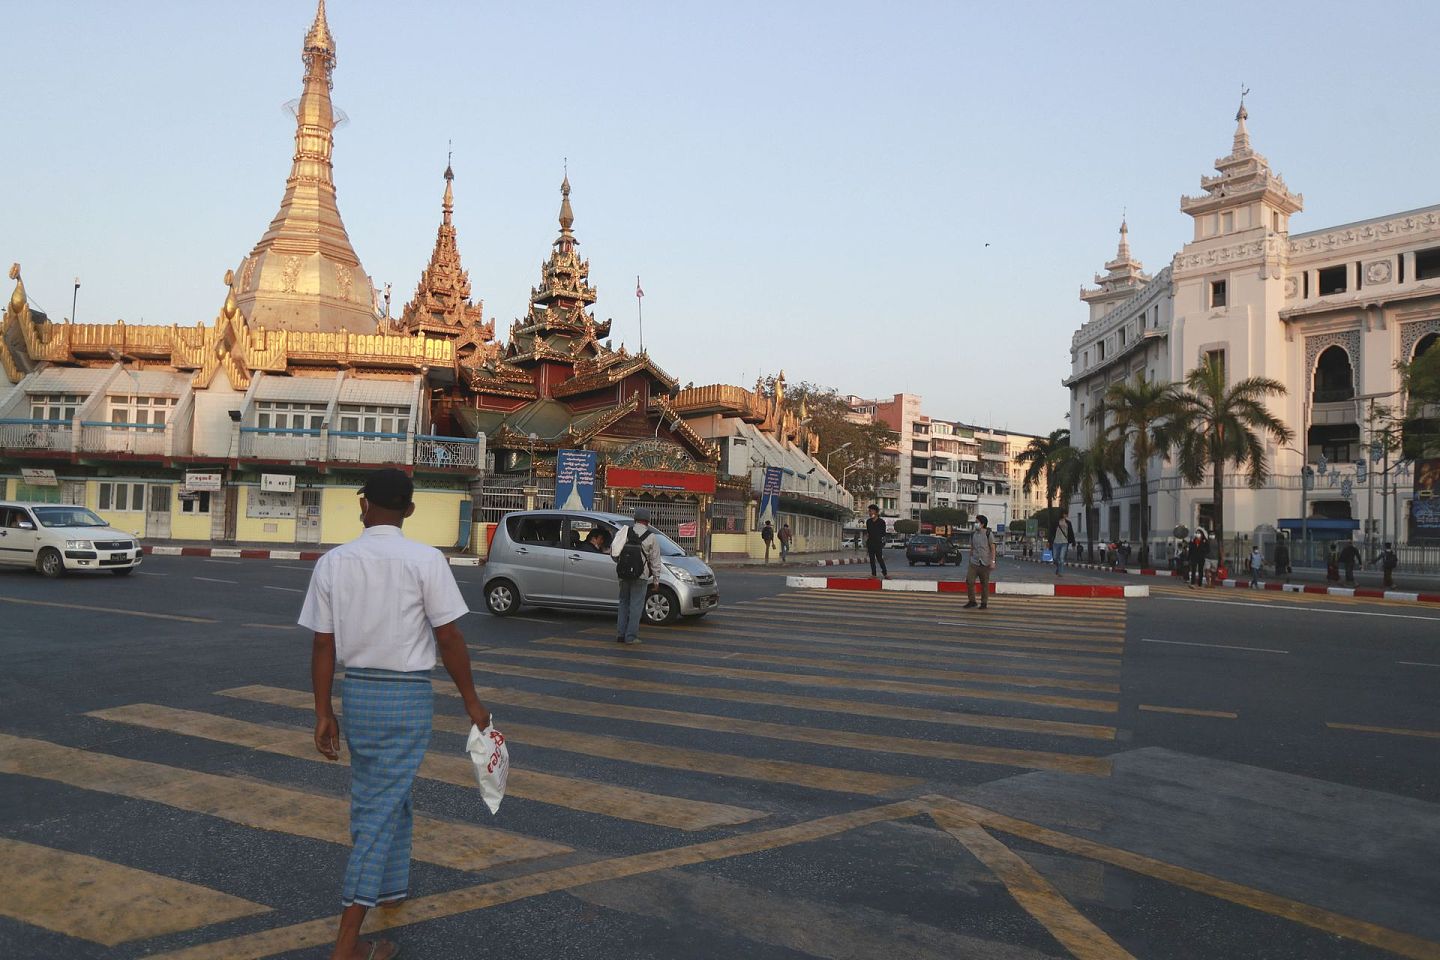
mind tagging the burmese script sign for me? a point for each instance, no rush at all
(270, 505)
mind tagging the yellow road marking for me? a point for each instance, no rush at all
(1080, 630)
(117, 610)
(1032, 759)
(652, 754)
(1097, 610)
(587, 795)
(862, 669)
(813, 680)
(255, 804)
(877, 649)
(1033, 892)
(1361, 931)
(105, 903)
(1397, 731)
(314, 933)
(862, 708)
(1189, 711)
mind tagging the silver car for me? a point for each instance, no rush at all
(543, 558)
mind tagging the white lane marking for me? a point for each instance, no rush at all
(286, 589)
(283, 566)
(213, 580)
(147, 573)
(210, 560)
(1285, 607)
(1217, 646)
(1414, 663)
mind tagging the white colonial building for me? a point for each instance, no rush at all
(1327, 313)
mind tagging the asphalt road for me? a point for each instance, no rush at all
(801, 774)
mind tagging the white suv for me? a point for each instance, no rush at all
(55, 538)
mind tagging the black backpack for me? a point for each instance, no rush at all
(630, 565)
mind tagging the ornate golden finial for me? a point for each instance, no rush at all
(231, 307)
(319, 36)
(448, 204)
(17, 296)
(567, 216)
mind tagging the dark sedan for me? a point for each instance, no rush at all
(929, 550)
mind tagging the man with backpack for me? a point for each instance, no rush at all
(636, 552)
(982, 561)
(1388, 562)
(767, 533)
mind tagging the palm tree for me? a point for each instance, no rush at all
(1041, 458)
(1136, 411)
(1084, 473)
(1212, 425)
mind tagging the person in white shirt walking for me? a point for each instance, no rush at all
(381, 604)
(636, 552)
(982, 561)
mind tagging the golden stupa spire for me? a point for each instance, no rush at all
(441, 305)
(564, 276)
(304, 274)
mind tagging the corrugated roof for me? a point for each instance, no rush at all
(150, 383)
(68, 380)
(306, 389)
(389, 392)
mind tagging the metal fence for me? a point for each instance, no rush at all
(35, 434)
(678, 519)
(454, 452)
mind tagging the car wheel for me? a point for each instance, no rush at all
(123, 571)
(501, 598)
(50, 563)
(662, 606)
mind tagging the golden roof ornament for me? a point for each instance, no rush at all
(441, 306)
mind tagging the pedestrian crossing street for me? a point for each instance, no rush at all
(770, 723)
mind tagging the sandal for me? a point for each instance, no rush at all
(376, 946)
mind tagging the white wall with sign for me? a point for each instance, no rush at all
(202, 481)
(271, 504)
(277, 482)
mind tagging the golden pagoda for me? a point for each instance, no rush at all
(304, 275)
(441, 306)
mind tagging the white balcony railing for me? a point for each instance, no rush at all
(141, 439)
(351, 446)
(457, 453)
(265, 443)
(36, 435)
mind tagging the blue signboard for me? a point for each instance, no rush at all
(770, 496)
(575, 479)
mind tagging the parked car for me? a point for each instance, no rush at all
(541, 558)
(896, 542)
(926, 549)
(56, 538)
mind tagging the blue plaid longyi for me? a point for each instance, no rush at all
(386, 718)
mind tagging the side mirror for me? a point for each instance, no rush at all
(26, 525)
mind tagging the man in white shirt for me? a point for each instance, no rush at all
(381, 604)
(982, 561)
(638, 577)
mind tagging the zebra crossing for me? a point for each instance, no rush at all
(776, 726)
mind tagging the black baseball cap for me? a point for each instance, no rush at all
(389, 488)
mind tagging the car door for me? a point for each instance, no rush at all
(537, 556)
(589, 575)
(17, 544)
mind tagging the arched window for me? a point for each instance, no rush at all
(1334, 379)
(1423, 344)
(1420, 435)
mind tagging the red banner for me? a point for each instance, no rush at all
(660, 481)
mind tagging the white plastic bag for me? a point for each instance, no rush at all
(492, 763)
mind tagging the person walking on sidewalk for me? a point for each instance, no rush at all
(1349, 556)
(1388, 562)
(767, 533)
(1257, 564)
(1199, 553)
(875, 533)
(1282, 559)
(636, 552)
(785, 536)
(382, 604)
(982, 561)
(1062, 538)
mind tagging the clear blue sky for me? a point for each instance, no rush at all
(807, 185)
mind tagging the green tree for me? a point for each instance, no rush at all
(948, 516)
(907, 526)
(1086, 474)
(861, 448)
(1132, 415)
(1213, 425)
(1041, 458)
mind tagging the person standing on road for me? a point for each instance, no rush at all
(767, 533)
(1282, 559)
(1257, 564)
(982, 561)
(382, 604)
(1388, 562)
(875, 541)
(636, 552)
(785, 537)
(1349, 556)
(1062, 538)
(1199, 553)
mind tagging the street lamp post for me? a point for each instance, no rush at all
(833, 452)
(74, 299)
(533, 438)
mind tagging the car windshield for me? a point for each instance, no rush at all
(67, 517)
(668, 547)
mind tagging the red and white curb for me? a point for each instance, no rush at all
(840, 563)
(1091, 590)
(1279, 586)
(241, 553)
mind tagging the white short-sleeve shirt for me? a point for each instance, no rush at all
(382, 595)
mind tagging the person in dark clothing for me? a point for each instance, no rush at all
(1282, 559)
(1388, 562)
(1349, 556)
(1332, 565)
(1199, 553)
(875, 541)
(767, 533)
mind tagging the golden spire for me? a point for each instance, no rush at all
(567, 216)
(304, 274)
(441, 305)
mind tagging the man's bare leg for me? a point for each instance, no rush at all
(347, 942)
